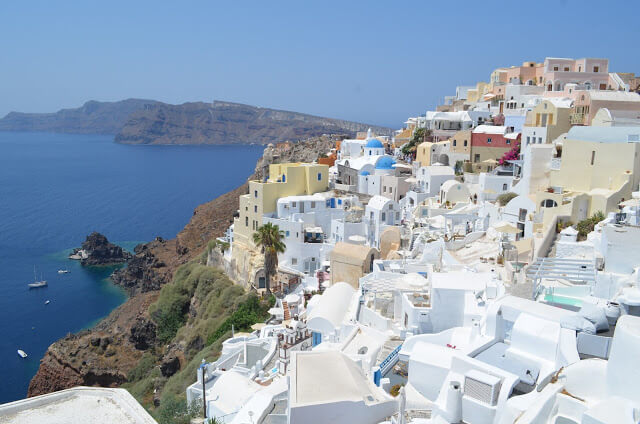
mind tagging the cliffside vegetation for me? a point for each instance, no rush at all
(193, 315)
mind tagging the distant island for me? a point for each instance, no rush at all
(138, 121)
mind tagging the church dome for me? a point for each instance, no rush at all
(385, 162)
(374, 143)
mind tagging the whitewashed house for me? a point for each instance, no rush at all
(380, 213)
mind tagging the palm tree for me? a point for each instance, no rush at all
(269, 237)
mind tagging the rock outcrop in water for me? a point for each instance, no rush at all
(97, 250)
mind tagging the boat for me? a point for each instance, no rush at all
(47, 302)
(22, 353)
(37, 284)
(63, 271)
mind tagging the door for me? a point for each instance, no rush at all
(316, 338)
(301, 207)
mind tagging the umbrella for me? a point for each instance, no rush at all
(506, 227)
(490, 161)
(631, 202)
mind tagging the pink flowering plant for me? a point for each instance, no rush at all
(512, 154)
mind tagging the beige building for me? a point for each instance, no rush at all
(600, 167)
(547, 121)
(350, 262)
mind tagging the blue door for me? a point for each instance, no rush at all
(316, 338)
(333, 202)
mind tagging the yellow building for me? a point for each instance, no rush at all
(423, 153)
(600, 167)
(285, 179)
(547, 121)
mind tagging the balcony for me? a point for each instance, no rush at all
(577, 118)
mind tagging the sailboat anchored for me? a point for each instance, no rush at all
(37, 284)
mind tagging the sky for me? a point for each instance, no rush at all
(377, 62)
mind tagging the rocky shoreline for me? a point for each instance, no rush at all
(107, 353)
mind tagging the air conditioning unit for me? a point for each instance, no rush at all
(482, 387)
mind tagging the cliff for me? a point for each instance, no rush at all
(228, 123)
(91, 118)
(143, 345)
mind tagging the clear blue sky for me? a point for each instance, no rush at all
(375, 62)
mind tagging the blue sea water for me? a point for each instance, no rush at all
(55, 189)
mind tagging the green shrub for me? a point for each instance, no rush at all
(174, 410)
(249, 312)
(586, 226)
(505, 198)
(145, 364)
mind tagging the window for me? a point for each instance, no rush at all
(548, 203)
(383, 217)
(313, 205)
(390, 206)
(504, 187)
(522, 215)
(555, 68)
(596, 69)
(476, 157)
(465, 143)
(508, 141)
(246, 221)
(255, 193)
(294, 204)
(454, 143)
(255, 208)
(319, 176)
(339, 201)
(489, 140)
(593, 156)
(287, 233)
(384, 189)
(566, 69)
(390, 189)
(579, 68)
(294, 261)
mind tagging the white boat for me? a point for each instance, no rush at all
(37, 284)
(22, 353)
(47, 302)
(63, 271)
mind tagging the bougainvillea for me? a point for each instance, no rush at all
(512, 154)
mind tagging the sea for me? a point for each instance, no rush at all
(55, 189)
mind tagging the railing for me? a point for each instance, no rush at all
(576, 118)
(386, 364)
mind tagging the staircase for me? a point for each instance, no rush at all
(285, 308)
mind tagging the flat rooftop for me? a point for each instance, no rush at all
(330, 376)
(80, 405)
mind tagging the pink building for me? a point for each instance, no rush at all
(587, 73)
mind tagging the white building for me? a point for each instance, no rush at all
(431, 178)
(380, 213)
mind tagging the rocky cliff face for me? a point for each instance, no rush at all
(228, 123)
(91, 118)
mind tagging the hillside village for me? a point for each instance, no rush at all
(481, 265)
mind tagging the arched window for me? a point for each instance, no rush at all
(548, 203)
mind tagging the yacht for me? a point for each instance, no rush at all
(47, 302)
(37, 284)
(63, 271)
(22, 353)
